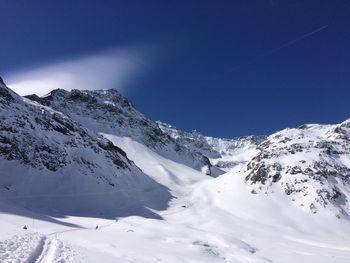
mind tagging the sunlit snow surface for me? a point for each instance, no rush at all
(211, 220)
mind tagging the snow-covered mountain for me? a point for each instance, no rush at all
(107, 111)
(44, 153)
(72, 161)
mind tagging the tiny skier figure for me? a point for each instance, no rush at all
(25, 228)
(96, 227)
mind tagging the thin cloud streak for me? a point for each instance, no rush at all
(116, 68)
(285, 45)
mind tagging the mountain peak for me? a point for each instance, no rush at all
(7, 96)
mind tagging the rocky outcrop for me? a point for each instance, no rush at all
(309, 164)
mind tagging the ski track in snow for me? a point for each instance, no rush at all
(34, 248)
(52, 250)
(19, 248)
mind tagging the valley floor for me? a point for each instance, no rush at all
(137, 239)
(208, 220)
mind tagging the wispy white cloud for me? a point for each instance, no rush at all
(116, 68)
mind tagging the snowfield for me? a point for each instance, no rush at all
(133, 190)
(209, 220)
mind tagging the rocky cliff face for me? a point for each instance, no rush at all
(105, 111)
(46, 139)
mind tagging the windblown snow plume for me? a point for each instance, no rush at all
(115, 68)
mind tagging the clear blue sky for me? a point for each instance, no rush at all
(227, 68)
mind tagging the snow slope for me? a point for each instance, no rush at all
(278, 230)
(215, 220)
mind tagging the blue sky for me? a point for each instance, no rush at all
(225, 68)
